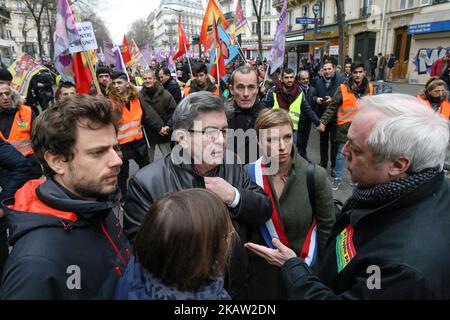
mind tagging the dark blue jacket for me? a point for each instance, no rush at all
(49, 247)
(14, 168)
(323, 91)
(406, 240)
(138, 284)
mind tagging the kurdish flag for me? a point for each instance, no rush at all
(211, 12)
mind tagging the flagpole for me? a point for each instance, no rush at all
(265, 76)
(91, 69)
(218, 69)
(189, 61)
(241, 52)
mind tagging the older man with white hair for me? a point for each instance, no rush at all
(391, 240)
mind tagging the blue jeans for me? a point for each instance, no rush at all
(340, 162)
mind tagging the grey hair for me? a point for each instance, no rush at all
(303, 71)
(150, 72)
(407, 128)
(244, 70)
(190, 107)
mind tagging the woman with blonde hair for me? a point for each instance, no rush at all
(435, 96)
(181, 250)
(303, 211)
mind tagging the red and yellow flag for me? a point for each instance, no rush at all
(218, 66)
(212, 10)
(126, 55)
(183, 43)
(83, 76)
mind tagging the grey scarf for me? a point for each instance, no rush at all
(376, 196)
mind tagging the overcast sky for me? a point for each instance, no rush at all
(120, 14)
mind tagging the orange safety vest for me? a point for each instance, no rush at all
(349, 108)
(444, 108)
(130, 127)
(187, 91)
(20, 135)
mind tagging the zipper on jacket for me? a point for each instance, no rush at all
(113, 245)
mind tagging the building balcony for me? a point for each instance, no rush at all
(5, 14)
(365, 12)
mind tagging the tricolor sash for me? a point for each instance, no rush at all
(273, 228)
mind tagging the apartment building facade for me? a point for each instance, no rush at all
(249, 38)
(164, 21)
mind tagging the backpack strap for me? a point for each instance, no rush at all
(311, 186)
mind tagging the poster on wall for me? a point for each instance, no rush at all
(292, 61)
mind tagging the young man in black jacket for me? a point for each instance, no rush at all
(170, 84)
(67, 241)
(391, 240)
(201, 160)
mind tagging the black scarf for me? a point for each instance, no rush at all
(434, 101)
(379, 195)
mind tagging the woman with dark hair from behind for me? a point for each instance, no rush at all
(181, 250)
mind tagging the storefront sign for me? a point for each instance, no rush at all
(298, 38)
(429, 27)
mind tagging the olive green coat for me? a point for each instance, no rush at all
(296, 217)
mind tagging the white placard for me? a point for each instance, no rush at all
(87, 35)
(292, 61)
(334, 50)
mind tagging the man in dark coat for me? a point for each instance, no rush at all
(246, 108)
(159, 106)
(305, 122)
(200, 160)
(67, 241)
(170, 84)
(326, 88)
(391, 240)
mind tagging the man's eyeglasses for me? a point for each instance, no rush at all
(212, 133)
(6, 93)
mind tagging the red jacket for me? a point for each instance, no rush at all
(437, 66)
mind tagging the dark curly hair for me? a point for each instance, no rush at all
(55, 130)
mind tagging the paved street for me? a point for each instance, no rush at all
(313, 149)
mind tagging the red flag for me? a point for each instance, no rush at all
(211, 11)
(125, 51)
(183, 43)
(219, 61)
(82, 73)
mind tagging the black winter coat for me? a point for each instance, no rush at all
(244, 119)
(408, 239)
(174, 89)
(323, 91)
(47, 250)
(164, 177)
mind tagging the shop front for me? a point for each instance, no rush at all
(430, 40)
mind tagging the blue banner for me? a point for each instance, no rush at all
(305, 20)
(429, 27)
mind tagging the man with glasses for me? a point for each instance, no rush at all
(200, 160)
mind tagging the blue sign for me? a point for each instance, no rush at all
(429, 27)
(305, 20)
